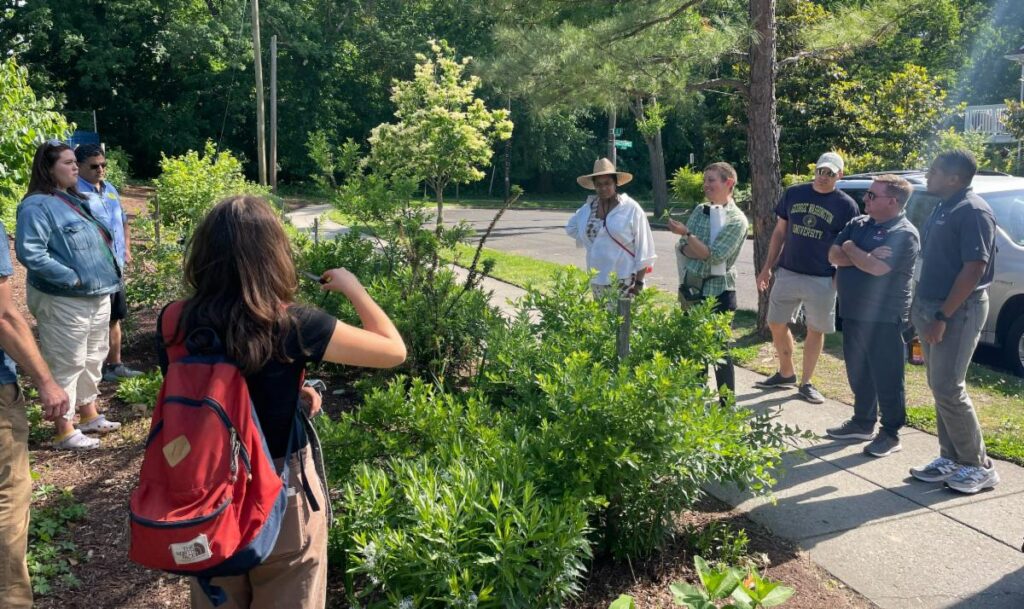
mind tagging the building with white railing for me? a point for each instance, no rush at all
(988, 120)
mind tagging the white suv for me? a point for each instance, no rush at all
(1005, 194)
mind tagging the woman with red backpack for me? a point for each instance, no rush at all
(239, 267)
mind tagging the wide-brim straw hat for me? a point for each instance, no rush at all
(604, 167)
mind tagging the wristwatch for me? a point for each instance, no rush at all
(940, 316)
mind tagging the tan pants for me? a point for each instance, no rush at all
(15, 497)
(294, 576)
(74, 338)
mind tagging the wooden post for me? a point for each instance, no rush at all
(261, 128)
(316, 231)
(625, 327)
(156, 219)
(273, 114)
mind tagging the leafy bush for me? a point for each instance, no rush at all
(119, 164)
(25, 122)
(155, 275)
(688, 186)
(190, 184)
(142, 389)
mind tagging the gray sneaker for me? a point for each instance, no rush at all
(970, 478)
(115, 373)
(850, 430)
(777, 381)
(883, 445)
(939, 470)
(809, 393)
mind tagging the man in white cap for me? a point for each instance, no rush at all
(810, 216)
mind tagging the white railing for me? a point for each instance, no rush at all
(989, 120)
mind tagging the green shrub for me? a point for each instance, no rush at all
(119, 165)
(792, 179)
(142, 389)
(155, 275)
(688, 186)
(190, 184)
(25, 122)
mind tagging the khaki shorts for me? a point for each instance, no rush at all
(816, 294)
(74, 338)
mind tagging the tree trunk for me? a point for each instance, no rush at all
(439, 197)
(656, 153)
(763, 137)
(611, 137)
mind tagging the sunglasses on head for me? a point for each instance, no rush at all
(825, 171)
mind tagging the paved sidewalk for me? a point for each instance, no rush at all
(901, 543)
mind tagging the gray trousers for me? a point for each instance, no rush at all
(946, 366)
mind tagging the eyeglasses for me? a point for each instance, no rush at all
(825, 172)
(871, 196)
(95, 166)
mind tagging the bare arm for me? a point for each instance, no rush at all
(16, 340)
(838, 257)
(865, 261)
(774, 251)
(377, 344)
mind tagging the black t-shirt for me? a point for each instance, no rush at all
(814, 221)
(961, 229)
(275, 389)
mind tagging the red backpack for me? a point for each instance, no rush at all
(209, 501)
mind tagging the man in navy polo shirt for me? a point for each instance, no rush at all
(105, 203)
(875, 256)
(949, 311)
(809, 218)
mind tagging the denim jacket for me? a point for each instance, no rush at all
(64, 253)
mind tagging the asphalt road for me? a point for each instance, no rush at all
(541, 234)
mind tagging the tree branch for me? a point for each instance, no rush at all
(636, 29)
(714, 83)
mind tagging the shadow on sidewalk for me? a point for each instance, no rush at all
(1007, 593)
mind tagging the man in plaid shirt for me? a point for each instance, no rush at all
(708, 247)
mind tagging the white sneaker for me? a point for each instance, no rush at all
(970, 478)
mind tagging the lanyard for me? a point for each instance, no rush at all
(88, 217)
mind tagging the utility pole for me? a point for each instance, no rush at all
(261, 128)
(273, 114)
(611, 136)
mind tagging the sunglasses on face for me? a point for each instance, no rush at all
(871, 196)
(95, 166)
(824, 171)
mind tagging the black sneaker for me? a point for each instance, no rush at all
(883, 445)
(777, 381)
(850, 430)
(809, 393)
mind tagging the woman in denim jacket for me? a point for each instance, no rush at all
(71, 273)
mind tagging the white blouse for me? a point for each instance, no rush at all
(628, 224)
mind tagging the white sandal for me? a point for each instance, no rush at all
(76, 441)
(100, 425)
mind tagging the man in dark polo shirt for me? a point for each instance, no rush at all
(949, 310)
(809, 218)
(875, 256)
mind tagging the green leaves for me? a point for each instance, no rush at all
(623, 602)
(747, 589)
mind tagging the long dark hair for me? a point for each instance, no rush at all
(45, 158)
(240, 267)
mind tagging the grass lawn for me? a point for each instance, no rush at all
(998, 397)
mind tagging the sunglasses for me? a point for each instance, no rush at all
(871, 196)
(95, 166)
(826, 172)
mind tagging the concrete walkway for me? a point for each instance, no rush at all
(901, 543)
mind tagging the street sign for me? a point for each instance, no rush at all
(623, 144)
(618, 132)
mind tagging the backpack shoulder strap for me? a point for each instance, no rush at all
(167, 328)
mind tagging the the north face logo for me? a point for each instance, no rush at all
(193, 551)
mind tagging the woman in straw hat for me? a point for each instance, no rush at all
(614, 230)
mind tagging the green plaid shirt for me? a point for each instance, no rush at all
(726, 248)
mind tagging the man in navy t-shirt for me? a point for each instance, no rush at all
(875, 255)
(810, 217)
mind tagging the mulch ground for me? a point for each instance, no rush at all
(103, 479)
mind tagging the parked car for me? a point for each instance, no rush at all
(1004, 328)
